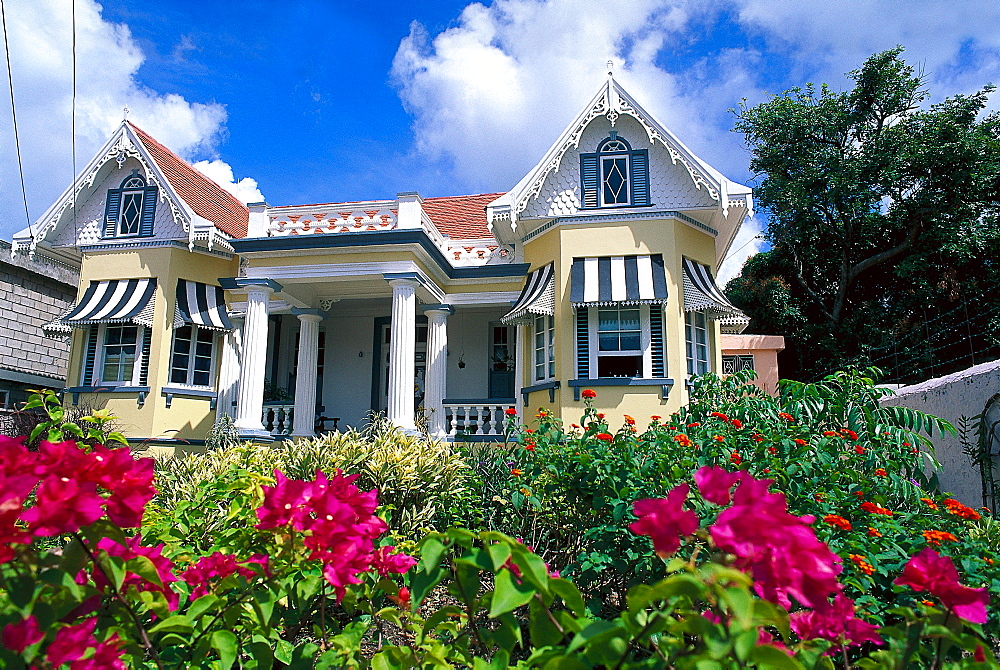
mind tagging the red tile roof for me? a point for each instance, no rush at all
(462, 217)
(208, 200)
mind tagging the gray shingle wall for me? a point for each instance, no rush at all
(32, 293)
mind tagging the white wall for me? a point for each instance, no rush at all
(469, 340)
(951, 397)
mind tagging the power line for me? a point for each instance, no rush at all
(13, 114)
(76, 239)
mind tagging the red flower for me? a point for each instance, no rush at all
(838, 521)
(958, 509)
(629, 420)
(510, 411)
(735, 458)
(530, 446)
(655, 417)
(849, 433)
(736, 423)
(517, 472)
(936, 537)
(589, 393)
(858, 449)
(757, 437)
(872, 508)
(715, 484)
(19, 636)
(786, 416)
(605, 437)
(720, 415)
(683, 440)
(834, 622)
(718, 438)
(600, 415)
(862, 565)
(799, 441)
(881, 472)
(936, 574)
(830, 433)
(693, 425)
(772, 449)
(664, 520)
(874, 532)
(402, 598)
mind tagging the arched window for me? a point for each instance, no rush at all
(616, 175)
(130, 208)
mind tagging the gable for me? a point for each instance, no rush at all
(670, 182)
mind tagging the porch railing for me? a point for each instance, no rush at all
(476, 418)
(277, 418)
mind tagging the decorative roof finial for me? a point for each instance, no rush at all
(125, 111)
(611, 67)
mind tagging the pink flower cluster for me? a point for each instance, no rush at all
(218, 566)
(338, 522)
(779, 550)
(73, 486)
(133, 549)
(929, 571)
(69, 645)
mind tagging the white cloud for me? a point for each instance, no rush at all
(749, 241)
(40, 39)
(245, 190)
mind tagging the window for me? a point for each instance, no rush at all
(696, 337)
(116, 355)
(619, 342)
(733, 364)
(130, 208)
(544, 346)
(193, 356)
(615, 175)
(119, 353)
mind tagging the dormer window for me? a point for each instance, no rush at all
(616, 175)
(130, 208)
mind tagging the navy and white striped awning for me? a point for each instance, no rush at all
(537, 298)
(618, 280)
(111, 301)
(201, 305)
(702, 294)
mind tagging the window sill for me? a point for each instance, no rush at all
(549, 386)
(189, 392)
(140, 391)
(664, 384)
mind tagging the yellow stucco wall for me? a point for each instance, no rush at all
(671, 238)
(187, 418)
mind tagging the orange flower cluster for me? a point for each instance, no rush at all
(772, 449)
(863, 565)
(874, 532)
(958, 509)
(694, 425)
(757, 437)
(838, 521)
(718, 438)
(858, 449)
(800, 442)
(929, 502)
(786, 416)
(629, 420)
(517, 472)
(736, 459)
(881, 472)
(872, 508)
(936, 537)
(682, 440)
(847, 432)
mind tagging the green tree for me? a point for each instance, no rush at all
(873, 197)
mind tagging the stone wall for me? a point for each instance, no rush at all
(32, 293)
(961, 394)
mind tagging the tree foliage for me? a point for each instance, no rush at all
(879, 204)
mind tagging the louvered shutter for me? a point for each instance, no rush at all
(589, 179)
(148, 211)
(656, 340)
(640, 177)
(144, 365)
(91, 355)
(582, 344)
(111, 212)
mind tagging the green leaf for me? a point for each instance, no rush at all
(507, 595)
(177, 623)
(226, 645)
(431, 552)
(767, 657)
(566, 590)
(201, 605)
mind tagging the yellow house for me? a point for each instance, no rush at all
(595, 271)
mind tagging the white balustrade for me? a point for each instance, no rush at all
(476, 418)
(277, 418)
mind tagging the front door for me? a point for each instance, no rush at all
(420, 359)
(502, 345)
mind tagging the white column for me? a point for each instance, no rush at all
(250, 401)
(229, 369)
(304, 423)
(519, 364)
(402, 349)
(435, 381)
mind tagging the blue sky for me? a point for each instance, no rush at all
(316, 101)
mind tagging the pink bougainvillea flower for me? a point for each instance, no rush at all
(665, 520)
(835, 622)
(133, 549)
(929, 571)
(388, 563)
(282, 502)
(716, 484)
(217, 566)
(63, 505)
(20, 635)
(778, 549)
(71, 643)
